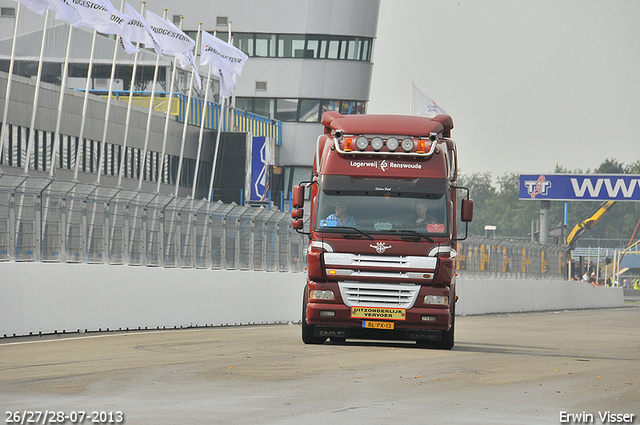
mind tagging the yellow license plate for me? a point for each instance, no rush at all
(377, 325)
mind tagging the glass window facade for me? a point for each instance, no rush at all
(300, 46)
(298, 110)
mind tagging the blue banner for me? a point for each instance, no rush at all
(580, 187)
(259, 169)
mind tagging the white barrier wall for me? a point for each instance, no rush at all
(480, 296)
(54, 297)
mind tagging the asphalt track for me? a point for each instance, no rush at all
(505, 369)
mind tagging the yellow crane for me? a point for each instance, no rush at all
(589, 222)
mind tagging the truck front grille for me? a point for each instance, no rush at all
(378, 294)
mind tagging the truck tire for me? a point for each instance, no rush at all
(447, 342)
(307, 330)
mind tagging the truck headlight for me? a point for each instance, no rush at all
(436, 299)
(317, 294)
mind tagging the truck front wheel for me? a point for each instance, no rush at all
(307, 330)
(446, 343)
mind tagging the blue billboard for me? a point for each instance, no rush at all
(580, 187)
(260, 153)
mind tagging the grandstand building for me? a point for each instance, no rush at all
(305, 57)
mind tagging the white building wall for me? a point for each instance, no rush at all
(340, 17)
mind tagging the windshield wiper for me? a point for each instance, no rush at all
(346, 235)
(413, 233)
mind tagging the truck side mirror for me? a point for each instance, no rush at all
(297, 199)
(297, 213)
(466, 213)
(297, 224)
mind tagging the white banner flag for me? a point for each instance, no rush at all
(101, 16)
(226, 82)
(65, 11)
(424, 106)
(137, 30)
(171, 40)
(219, 54)
(127, 45)
(38, 6)
(188, 61)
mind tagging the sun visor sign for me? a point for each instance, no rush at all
(377, 186)
(580, 187)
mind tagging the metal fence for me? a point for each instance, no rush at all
(487, 258)
(47, 220)
(54, 221)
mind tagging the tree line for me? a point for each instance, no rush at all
(498, 204)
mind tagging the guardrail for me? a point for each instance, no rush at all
(47, 220)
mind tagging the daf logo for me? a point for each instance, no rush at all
(380, 247)
(332, 333)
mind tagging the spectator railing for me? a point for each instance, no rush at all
(46, 220)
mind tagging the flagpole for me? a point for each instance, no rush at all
(221, 122)
(412, 105)
(107, 112)
(5, 111)
(63, 86)
(31, 139)
(129, 104)
(204, 113)
(168, 116)
(186, 116)
(151, 108)
(84, 109)
(215, 155)
(232, 99)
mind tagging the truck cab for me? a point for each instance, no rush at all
(382, 230)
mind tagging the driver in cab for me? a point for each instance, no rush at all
(341, 217)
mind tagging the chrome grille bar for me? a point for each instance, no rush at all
(386, 261)
(378, 294)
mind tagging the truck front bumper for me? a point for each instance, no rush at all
(334, 320)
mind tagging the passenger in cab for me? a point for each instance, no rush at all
(421, 217)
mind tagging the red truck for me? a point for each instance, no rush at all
(382, 230)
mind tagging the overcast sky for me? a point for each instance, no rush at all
(529, 84)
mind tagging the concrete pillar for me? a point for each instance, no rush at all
(545, 207)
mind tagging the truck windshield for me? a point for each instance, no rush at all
(380, 214)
